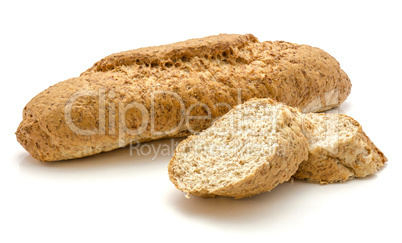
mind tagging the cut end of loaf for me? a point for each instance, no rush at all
(339, 150)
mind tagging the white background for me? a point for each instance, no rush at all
(115, 197)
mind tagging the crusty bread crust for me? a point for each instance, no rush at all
(150, 90)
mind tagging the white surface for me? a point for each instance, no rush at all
(115, 197)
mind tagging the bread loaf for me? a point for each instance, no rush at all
(249, 150)
(174, 90)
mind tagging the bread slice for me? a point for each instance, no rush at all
(251, 149)
(338, 150)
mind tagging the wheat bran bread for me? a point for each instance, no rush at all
(210, 164)
(144, 94)
(338, 150)
(249, 150)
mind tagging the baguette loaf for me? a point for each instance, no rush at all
(338, 150)
(337, 147)
(174, 90)
(249, 150)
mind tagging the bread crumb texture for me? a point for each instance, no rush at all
(251, 149)
(338, 150)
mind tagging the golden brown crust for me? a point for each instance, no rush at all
(216, 70)
(165, 54)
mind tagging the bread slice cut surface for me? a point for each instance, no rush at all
(339, 150)
(251, 149)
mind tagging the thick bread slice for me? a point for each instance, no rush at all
(251, 149)
(338, 150)
(174, 90)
